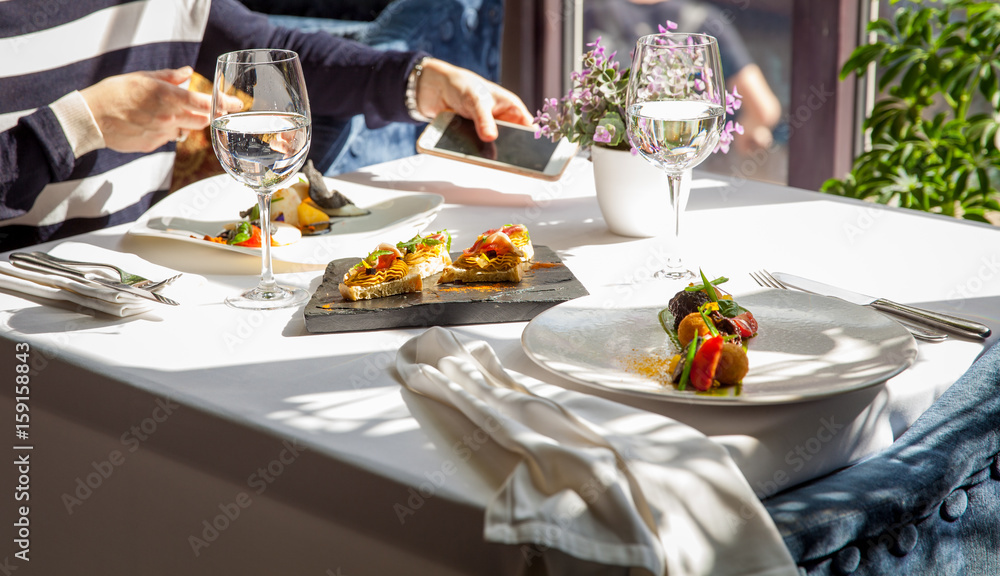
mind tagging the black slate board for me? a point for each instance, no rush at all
(547, 283)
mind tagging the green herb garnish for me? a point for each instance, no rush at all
(371, 260)
(411, 244)
(242, 233)
(707, 320)
(667, 321)
(698, 287)
(728, 308)
(686, 373)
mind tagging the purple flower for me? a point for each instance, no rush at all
(736, 101)
(597, 91)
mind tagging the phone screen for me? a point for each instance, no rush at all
(513, 146)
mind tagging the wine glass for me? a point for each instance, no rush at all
(261, 128)
(676, 108)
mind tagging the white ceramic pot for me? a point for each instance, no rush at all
(633, 193)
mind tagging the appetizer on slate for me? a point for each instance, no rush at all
(382, 273)
(710, 329)
(428, 254)
(498, 255)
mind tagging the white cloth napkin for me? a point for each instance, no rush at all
(649, 493)
(90, 296)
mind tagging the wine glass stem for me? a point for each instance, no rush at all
(674, 187)
(267, 282)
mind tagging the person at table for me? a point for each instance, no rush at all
(92, 102)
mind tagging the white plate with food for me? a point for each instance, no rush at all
(807, 346)
(206, 207)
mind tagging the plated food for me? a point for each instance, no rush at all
(710, 331)
(381, 273)
(310, 204)
(807, 346)
(429, 254)
(399, 268)
(305, 207)
(248, 234)
(497, 255)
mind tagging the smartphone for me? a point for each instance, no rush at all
(515, 150)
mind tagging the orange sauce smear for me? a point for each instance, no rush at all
(648, 365)
(537, 265)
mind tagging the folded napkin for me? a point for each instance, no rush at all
(644, 491)
(91, 296)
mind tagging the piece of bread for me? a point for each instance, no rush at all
(428, 254)
(498, 255)
(410, 283)
(453, 274)
(382, 273)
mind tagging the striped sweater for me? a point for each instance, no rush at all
(53, 185)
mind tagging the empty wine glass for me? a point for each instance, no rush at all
(261, 128)
(676, 109)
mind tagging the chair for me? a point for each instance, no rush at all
(928, 505)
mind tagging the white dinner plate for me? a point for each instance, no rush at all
(204, 207)
(807, 346)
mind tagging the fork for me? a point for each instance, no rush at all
(126, 277)
(763, 278)
(154, 286)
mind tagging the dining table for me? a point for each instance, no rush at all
(203, 439)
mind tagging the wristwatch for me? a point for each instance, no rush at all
(412, 82)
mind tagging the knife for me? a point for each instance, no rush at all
(945, 321)
(35, 264)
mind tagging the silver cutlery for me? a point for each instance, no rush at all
(767, 280)
(154, 286)
(31, 262)
(954, 324)
(126, 277)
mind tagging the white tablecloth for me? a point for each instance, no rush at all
(263, 373)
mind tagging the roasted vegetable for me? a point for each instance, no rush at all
(709, 327)
(684, 303)
(693, 323)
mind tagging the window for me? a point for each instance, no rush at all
(806, 120)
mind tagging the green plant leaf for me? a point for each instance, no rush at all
(861, 58)
(932, 147)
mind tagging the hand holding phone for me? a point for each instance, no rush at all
(515, 150)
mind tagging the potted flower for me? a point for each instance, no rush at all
(592, 114)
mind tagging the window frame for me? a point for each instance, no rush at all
(542, 41)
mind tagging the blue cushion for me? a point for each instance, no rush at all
(930, 504)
